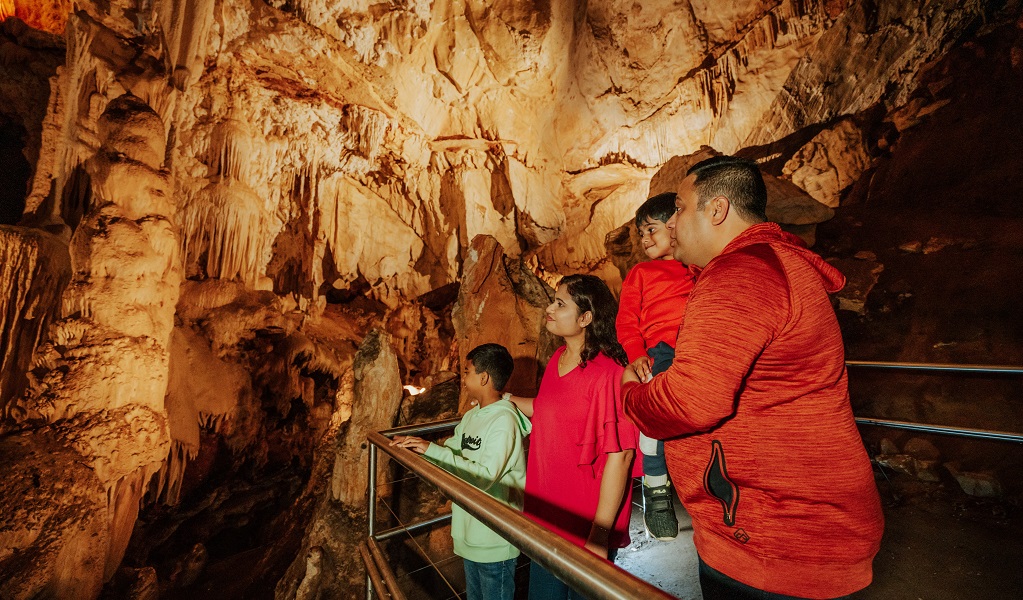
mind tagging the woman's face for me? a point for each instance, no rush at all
(563, 316)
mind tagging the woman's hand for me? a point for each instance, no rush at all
(613, 485)
(597, 541)
(525, 405)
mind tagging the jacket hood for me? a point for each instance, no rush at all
(520, 419)
(788, 244)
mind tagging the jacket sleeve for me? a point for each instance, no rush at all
(737, 308)
(491, 462)
(630, 336)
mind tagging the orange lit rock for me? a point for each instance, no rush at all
(47, 15)
(502, 302)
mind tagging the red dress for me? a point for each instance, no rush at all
(577, 421)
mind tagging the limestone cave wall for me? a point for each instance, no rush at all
(231, 230)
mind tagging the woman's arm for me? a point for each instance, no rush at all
(613, 484)
(525, 405)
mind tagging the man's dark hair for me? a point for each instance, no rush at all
(737, 179)
(659, 207)
(495, 360)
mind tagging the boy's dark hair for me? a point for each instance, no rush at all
(737, 179)
(590, 293)
(659, 207)
(495, 360)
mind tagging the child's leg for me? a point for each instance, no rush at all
(473, 590)
(490, 580)
(655, 469)
(543, 585)
(658, 510)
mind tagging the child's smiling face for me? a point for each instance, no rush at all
(655, 238)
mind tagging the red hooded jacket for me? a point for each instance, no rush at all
(769, 465)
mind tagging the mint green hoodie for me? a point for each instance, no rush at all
(486, 450)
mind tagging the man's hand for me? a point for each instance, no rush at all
(417, 445)
(642, 367)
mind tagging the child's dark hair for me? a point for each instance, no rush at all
(591, 294)
(495, 360)
(660, 207)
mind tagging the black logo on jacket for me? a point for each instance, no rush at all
(718, 485)
(470, 442)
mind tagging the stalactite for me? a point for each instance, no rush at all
(226, 223)
(231, 149)
(186, 26)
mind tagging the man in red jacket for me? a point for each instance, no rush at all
(763, 447)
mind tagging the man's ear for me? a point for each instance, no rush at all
(719, 207)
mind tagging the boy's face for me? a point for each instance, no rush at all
(655, 238)
(472, 381)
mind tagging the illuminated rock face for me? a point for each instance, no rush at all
(329, 145)
(216, 181)
(97, 387)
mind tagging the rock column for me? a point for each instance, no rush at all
(98, 386)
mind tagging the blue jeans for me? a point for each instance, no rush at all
(543, 585)
(662, 356)
(715, 585)
(486, 581)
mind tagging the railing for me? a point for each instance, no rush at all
(986, 434)
(582, 570)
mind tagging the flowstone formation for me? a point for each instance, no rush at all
(103, 371)
(216, 201)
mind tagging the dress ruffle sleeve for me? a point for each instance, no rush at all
(607, 428)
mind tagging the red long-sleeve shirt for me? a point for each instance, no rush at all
(772, 468)
(651, 305)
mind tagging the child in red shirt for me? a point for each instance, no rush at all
(653, 300)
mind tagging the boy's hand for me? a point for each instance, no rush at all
(642, 368)
(417, 445)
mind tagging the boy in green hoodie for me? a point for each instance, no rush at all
(487, 451)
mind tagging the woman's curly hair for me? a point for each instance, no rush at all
(591, 294)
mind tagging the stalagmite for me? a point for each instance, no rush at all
(501, 301)
(377, 393)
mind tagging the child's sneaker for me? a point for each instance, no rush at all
(659, 513)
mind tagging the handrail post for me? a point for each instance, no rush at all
(371, 515)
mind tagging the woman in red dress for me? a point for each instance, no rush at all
(582, 449)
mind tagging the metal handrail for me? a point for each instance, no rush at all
(374, 578)
(984, 434)
(390, 583)
(935, 367)
(582, 570)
